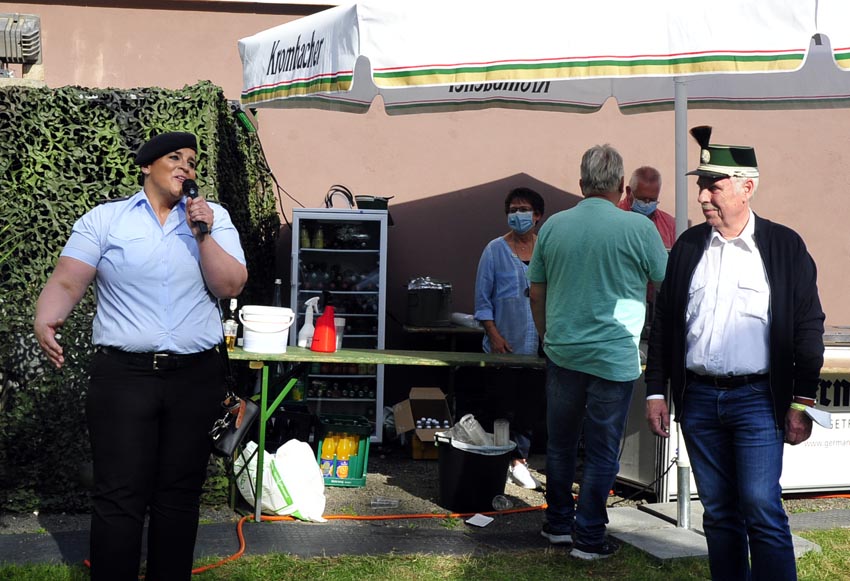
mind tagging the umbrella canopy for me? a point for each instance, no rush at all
(442, 55)
(439, 55)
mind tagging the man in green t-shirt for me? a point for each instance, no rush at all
(588, 279)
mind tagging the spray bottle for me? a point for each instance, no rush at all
(305, 334)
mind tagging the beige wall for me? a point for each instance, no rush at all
(449, 172)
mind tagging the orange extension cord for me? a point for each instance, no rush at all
(241, 535)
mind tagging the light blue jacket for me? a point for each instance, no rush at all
(501, 296)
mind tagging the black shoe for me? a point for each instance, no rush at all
(556, 537)
(594, 552)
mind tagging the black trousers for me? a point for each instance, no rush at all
(150, 450)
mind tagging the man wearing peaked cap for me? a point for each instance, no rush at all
(738, 334)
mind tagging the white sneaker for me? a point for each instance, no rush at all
(518, 474)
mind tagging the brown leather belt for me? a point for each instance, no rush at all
(157, 361)
(728, 381)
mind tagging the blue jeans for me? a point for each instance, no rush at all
(735, 449)
(575, 400)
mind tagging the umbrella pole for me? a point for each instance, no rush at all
(681, 140)
(683, 465)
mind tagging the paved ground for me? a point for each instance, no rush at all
(647, 527)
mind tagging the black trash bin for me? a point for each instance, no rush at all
(471, 476)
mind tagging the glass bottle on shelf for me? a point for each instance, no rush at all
(319, 238)
(231, 327)
(277, 300)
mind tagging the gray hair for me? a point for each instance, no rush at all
(601, 170)
(645, 173)
(739, 184)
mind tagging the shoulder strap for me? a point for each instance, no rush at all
(229, 380)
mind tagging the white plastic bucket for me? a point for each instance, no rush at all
(265, 328)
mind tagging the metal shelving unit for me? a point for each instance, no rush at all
(343, 254)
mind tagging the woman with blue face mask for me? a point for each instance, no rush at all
(503, 309)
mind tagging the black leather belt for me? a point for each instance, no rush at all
(157, 361)
(728, 381)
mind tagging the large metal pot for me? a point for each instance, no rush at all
(429, 302)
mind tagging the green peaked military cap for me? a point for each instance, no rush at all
(721, 161)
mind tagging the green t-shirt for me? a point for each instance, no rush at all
(596, 260)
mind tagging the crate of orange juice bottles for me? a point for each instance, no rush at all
(343, 451)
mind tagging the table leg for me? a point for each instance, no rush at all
(266, 412)
(261, 450)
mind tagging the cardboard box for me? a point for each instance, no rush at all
(423, 402)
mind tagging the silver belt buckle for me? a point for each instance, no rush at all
(157, 357)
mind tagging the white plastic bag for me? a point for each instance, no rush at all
(292, 481)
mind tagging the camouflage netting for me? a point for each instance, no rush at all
(63, 151)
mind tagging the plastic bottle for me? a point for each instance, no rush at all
(305, 334)
(343, 456)
(319, 238)
(305, 238)
(379, 502)
(327, 458)
(502, 502)
(473, 429)
(324, 336)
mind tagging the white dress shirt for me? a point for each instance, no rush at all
(728, 314)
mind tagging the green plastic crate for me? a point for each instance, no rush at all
(357, 463)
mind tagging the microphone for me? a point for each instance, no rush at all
(190, 188)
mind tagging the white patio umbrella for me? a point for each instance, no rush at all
(441, 55)
(548, 54)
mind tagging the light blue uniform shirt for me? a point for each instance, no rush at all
(150, 292)
(501, 296)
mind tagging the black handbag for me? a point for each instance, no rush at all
(238, 416)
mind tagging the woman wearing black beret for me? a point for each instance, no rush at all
(156, 380)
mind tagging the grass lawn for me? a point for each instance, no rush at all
(629, 564)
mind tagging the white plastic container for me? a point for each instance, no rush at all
(265, 329)
(339, 324)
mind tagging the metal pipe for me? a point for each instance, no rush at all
(681, 140)
(683, 488)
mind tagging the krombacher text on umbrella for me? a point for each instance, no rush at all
(300, 56)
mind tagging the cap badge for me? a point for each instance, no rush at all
(705, 156)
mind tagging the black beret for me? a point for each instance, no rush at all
(163, 144)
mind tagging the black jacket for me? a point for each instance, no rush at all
(796, 317)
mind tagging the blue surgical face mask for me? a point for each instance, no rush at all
(645, 208)
(521, 222)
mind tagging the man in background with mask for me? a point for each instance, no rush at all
(642, 197)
